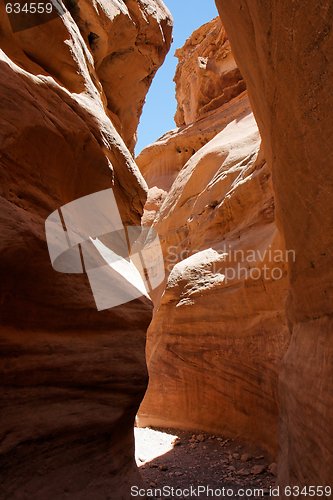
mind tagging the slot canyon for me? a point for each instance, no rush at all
(237, 349)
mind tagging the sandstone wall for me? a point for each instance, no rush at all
(72, 378)
(207, 75)
(284, 50)
(201, 89)
(215, 344)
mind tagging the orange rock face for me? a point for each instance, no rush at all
(285, 54)
(207, 75)
(72, 378)
(219, 330)
(200, 91)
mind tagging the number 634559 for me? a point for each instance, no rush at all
(29, 8)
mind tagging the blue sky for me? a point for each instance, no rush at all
(160, 107)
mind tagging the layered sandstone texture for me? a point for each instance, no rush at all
(285, 52)
(72, 89)
(207, 76)
(219, 329)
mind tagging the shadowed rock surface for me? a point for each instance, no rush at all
(285, 53)
(72, 378)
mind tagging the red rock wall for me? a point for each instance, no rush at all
(284, 50)
(207, 75)
(72, 378)
(214, 345)
(201, 89)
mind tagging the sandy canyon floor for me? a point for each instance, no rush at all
(181, 460)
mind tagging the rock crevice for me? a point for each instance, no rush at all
(219, 331)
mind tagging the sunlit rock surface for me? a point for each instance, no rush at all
(219, 330)
(207, 75)
(72, 378)
(200, 91)
(285, 52)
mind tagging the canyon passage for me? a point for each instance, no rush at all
(224, 367)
